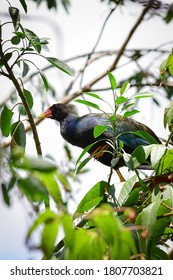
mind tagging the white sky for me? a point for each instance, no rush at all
(71, 35)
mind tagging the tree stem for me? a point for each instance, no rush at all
(25, 104)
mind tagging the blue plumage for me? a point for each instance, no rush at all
(79, 132)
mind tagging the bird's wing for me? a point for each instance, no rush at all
(125, 128)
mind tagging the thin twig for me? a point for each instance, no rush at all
(114, 65)
(96, 44)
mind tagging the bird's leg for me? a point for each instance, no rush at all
(99, 151)
(120, 175)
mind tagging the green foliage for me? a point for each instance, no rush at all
(6, 116)
(93, 198)
(153, 216)
(53, 3)
(134, 223)
(169, 15)
(168, 117)
(106, 239)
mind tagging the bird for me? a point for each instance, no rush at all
(78, 131)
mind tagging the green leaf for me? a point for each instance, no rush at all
(28, 97)
(95, 195)
(147, 150)
(20, 34)
(114, 161)
(144, 95)
(146, 135)
(139, 156)
(85, 161)
(121, 145)
(66, 4)
(15, 16)
(157, 153)
(166, 163)
(7, 57)
(169, 15)
(33, 189)
(33, 39)
(126, 189)
(18, 133)
(49, 236)
(23, 3)
(159, 254)
(168, 195)
(84, 152)
(64, 181)
(88, 103)
(163, 70)
(119, 240)
(168, 230)
(36, 164)
(128, 160)
(112, 119)
(25, 69)
(121, 99)
(44, 41)
(107, 225)
(50, 183)
(125, 107)
(69, 230)
(61, 65)
(133, 197)
(5, 194)
(44, 79)
(15, 40)
(168, 116)
(17, 152)
(148, 218)
(99, 129)
(78, 248)
(112, 80)
(82, 164)
(45, 217)
(93, 95)
(169, 64)
(124, 87)
(130, 113)
(5, 122)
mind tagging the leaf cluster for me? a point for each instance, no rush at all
(53, 4)
(134, 223)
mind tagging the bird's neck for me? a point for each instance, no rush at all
(67, 127)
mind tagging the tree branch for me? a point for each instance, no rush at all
(96, 44)
(88, 86)
(25, 104)
(114, 65)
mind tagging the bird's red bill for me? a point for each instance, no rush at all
(46, 114)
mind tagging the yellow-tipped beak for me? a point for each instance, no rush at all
(42, 116)
(46, 114)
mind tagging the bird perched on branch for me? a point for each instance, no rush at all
(78, 131)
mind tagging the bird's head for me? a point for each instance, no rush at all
(57, 112)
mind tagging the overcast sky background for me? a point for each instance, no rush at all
(72, 35)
